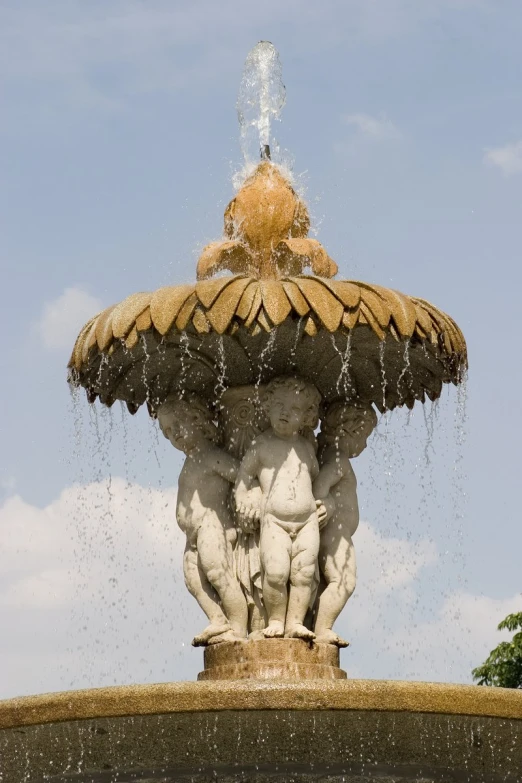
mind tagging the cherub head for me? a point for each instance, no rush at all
(187, 422)
(292, 405)
(347, 426)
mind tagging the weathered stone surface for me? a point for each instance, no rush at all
(360, 360)
(272, 670)
(280, 659)
(255, 561)
(328, 300)
(356, 731)
(203, 514)
(265, 227)
(359, 695)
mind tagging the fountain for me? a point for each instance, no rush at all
(241, 369)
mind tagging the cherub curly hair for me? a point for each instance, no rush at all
(305, 389)
(187, 406)
(346, 418)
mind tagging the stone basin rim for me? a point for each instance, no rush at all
(215, 696)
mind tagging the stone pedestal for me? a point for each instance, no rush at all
(272, 659)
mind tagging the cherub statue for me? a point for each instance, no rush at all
(283, 461)
(241, 420)
(203, 515)
(344, 433)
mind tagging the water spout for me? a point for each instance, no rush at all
(261, 98)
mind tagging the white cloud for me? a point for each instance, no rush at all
(459, 637)
(403, 623)
(508, 158)
(43, 590)
(389, 563)
(62, 318)
(379, 129)
(91, 590)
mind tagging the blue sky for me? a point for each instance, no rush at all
(118, 142)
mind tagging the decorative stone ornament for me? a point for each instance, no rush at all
(239, 369)
(274, 557)
(249, 551)
(266, 226)
(354, 340)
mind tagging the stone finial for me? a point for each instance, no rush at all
(266, 227)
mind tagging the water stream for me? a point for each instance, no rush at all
(261, 98)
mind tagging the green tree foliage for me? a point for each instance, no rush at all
(503, 666)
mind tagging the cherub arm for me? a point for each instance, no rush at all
(329, 475)
(314, 465)
(225, 465)
(247, 492)
(325, 506)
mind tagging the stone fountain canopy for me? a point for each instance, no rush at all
(254, 314)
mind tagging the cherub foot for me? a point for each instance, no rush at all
(330, 637)
(255, 636)
(299, 632)
(227, 636)
(274, 629)
(214, 629)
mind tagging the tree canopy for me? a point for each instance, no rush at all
(503, 666)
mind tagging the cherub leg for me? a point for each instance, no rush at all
(305, 550)
(216, 561)
(257, 622)
(275, 547)
(199, 586)
(337, 562)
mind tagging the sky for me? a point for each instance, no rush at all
(118, 145)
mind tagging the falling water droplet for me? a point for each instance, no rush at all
(221, 384)
(382, 365)
(265, 359)
(261, 98)
(344, 383)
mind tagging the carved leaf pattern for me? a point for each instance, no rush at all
(256, 304)
(259, 306)
(295, 296)
(322, 302)
(201, 322)
(366, 315)
(224, 308)
(275, 301)
(132, 338)
(186, 310)
(262, 320)
(82, 342)
(144, 320)
(166, 304)
(230, 302)
(209, 290)
(104, 329)
(310, 327)
(247, 300)
(348, 293)
(125, 314)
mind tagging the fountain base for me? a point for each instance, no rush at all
(272, 659)
(355, 731)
